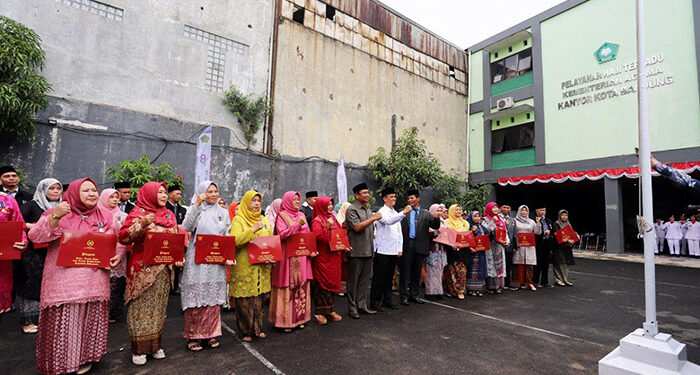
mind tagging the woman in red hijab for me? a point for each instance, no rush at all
(147, 287)
(326, 265)
(290, 302)
(74, 317)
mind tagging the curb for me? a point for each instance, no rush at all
(661, 260)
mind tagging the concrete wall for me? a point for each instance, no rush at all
(145, 55)
(333, 97)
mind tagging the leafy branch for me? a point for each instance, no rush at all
(250, 110)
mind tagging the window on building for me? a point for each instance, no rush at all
(513, 138)
(452, 71)
(512, 66)
(330, 12)
(298, 15)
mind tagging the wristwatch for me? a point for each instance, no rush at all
(53, 215)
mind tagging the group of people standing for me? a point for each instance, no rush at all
(71, 307)
(682, 236)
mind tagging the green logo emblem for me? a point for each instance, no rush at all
(204, 139)
(606, 52)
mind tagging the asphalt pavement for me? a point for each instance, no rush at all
(550, 331)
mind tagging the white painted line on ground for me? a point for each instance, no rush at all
(254, 352)
(631, 279)
(513, 323)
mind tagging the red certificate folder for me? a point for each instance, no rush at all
(501, 235)
(10, 232)
(163, 248)
(264, 249)
(526, 239)
(482, 243)
(565, 234)
(301, 244)
(86, 249)
(447, 237)
(213, 249)
(465, 239)
(339, 240)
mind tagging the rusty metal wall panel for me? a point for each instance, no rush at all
(380, 18)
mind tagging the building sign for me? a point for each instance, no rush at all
(613, 82)
(606, 52)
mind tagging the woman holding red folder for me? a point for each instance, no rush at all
(526, 256)
(497, 261)
(203, 286)
(147, 286)
(563, 255)
(9, 211)
(478, 263)
(326, 265)
(249, 282)
(455, 274)
(74, 318)
(290, 303)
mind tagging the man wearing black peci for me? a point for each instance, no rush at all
(124, 189)
(543, 246)
(173, 204)
(416, 243)
(10, 185)
(308, 207)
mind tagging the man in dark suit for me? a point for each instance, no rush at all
(173, 204)
(124, 189)
(10, 185)
(308, 207)
(416, 243)
(543, 246)
(511, 233)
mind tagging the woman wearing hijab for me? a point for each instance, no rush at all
(109, 200)
(28, 269)
(249, 282)
(290, 303)
(526, 255)
(9, 211)
(147, 286)
(478, 267)
(455, 278)
(272, 211)
(73, 324)
(436, 261)
(497, 260)
(233, 210)
(563, 255)
(203, 286)
(326, 265)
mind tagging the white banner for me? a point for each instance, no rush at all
(342, 181)
(202, 166)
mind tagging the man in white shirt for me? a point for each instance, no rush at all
(660, 231)
(388, 248)
(673, 236)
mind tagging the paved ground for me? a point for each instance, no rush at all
(553, 331)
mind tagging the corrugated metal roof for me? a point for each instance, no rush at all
(400, 28)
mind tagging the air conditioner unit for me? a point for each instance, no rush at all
(504, 103)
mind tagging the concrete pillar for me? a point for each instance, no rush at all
(613, 216)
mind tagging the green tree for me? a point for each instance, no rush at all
(22, 90)
(250, 110)
(139, 171)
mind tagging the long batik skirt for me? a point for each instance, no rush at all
(146, 316)
(324, 299)
(455, 279)
(499, 280)
(434, 266)
(71, 335)
(28, 310)
(476, 274)
(249, 315)
(202, 323)
(291, 306)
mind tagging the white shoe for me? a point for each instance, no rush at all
(139, 360)
(160, 354)
(84, 368)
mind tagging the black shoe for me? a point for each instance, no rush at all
(377, 307)
(439, 297)
(391, 306)
(416, 300)
(404, 301)
(354, 315)
(368, 311)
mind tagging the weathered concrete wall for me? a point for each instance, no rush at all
(72, 149)
(163, 57)
(339, 83)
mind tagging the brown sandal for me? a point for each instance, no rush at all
(212, 343)
(262, 335)
(194, 346)
(247, 339)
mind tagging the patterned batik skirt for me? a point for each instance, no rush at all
(146, 316)
(291, 306)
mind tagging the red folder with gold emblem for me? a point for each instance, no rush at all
(10, 232)
(163, 248)
(465, 239)
(86, 249)
(526, 239)
(339, 240)
(301, 244)
(501, 236)
(565, 234)
(481, 243)
(446, 237)
(264, 249)
(213, 249)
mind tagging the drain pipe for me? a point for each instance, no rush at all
(268, 142)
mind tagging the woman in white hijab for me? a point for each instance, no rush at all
(203, 286)
(526, 256)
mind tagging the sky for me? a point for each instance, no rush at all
(467, 22)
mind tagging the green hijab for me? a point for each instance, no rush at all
(561, 222)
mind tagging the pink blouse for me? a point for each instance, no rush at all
(280, 270)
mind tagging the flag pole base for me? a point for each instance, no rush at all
(639, 354)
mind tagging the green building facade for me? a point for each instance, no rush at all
(557, 94)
